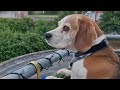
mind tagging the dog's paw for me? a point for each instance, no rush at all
(52, 77)
(65, 72)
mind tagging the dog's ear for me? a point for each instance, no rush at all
(86, 35)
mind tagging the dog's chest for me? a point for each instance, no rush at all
(78, 70)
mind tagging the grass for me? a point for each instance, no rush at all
(43, 17)
(40, 16)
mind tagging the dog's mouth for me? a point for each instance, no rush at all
(47, 41)
(53, 45)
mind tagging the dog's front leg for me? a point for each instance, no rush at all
(65, 72)
(52, 77)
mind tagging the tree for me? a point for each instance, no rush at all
(62, 14)
(110, 22)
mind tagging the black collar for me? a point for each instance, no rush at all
(78, 55)
(103, 44)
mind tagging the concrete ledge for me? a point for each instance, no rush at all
(20, 61)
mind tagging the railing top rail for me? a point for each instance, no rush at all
(29, 70)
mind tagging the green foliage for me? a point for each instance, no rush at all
(30, 23)
(16, 44)
(17, 37)
(21, 25)
(22, 36)
(43, 26)
(110, 22)
(61, 76)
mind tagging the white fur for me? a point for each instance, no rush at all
(52, 77)
(63, 20)
(61, 39)
(99, 39)
(78, 70)
(64, 71)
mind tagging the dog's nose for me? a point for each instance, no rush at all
(48, 35)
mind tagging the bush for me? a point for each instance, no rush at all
(16, 44)
(20, 25)
(43, 26)
(23, 36)
(110, 22)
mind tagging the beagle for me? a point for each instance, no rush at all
(94, 57)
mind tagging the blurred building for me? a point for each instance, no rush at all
(13, 14)
(94, 15)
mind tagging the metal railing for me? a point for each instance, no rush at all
(29, 70)
(113, 37)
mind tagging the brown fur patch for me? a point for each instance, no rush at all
(102, 64)
(86, 35)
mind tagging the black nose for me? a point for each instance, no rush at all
(48, 35)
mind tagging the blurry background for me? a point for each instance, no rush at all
(22, 32)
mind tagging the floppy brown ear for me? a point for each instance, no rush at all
(85, 36)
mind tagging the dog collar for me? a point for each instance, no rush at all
(103, 44)
(80, 55)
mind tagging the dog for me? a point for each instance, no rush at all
(82, 35)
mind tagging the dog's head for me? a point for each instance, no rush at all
(74, 32)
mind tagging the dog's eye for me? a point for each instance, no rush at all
(66, 28)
